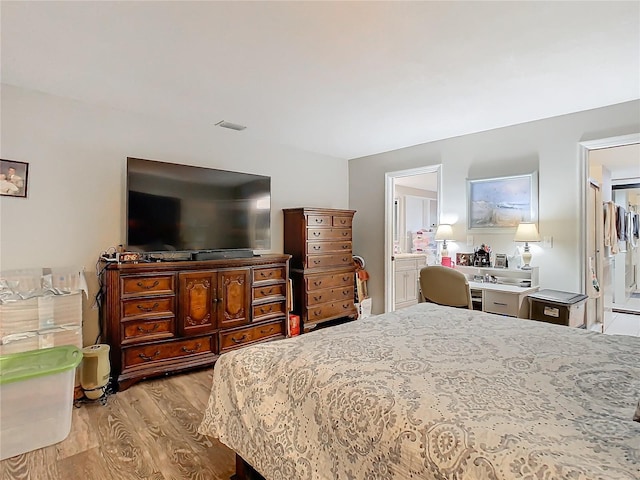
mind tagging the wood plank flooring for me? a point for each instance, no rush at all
(146, 432)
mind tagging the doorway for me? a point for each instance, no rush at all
(412, 206)
(610, 166)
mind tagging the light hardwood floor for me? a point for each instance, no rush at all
(146, 432)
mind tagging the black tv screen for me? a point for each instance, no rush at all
(173, 207)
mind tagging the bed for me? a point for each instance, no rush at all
(432, 392)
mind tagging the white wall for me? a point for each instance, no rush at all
(548, 146)
(77, 156)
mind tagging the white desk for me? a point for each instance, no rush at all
(502, 299)
(506, 297)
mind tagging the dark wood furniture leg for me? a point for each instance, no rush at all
(244, 471)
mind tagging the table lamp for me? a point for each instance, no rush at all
(527, 232)
(444, 232)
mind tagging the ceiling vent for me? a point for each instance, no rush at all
(232, 126)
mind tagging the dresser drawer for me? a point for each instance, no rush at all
(326, 311)
(266, 310)
(135, 356)
(148, 285)
(269, 274)
(269, 291)
(235, 338)
(149, 329)
(330, 295)
(328, 247)
(328, 280)
(328, 234)
(337, 260)
(148, 307)
(342, 221)
(319, 220)
(500, 302)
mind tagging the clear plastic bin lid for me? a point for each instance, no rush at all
(22, 366)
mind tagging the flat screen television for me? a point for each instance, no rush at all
(173, 207)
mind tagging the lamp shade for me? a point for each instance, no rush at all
(526, 232)
(444, 232)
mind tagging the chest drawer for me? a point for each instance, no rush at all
(341, 279)
(269, 274)
(148, 307)
(342, 221)
(500, 302)
(328, 234)
(269, 291)
(148, 329)
(134, 356)
(242, 336)
(319, 220)
(266, 310)
(328, 247)
(330, 295)
(148, 285)
(325, 311)
(336, 260)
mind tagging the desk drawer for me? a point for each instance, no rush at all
(167, 351)
(338, 260)
(501, 303)
(243, 336)
(328, 234)
(269, 274)
(148, 307)
(269, 291)
(328, 280)
(330, 295)
(328, 247)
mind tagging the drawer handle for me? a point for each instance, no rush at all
(344, 247)
(318, 298)
(345, 259)
(239, 340)
(266, 275)
(148, 330)
(316, 262)
(343, 221)
(317, 313)
(146, 358)
(267, 331)
(266, 292)
(264, 310)
(316, 234)
(501, 304)
(317, 247)
(149, 309)
(345, 292)
(344, 279)
(317, 283)
(344, 234)
(148, 287)
(186, 350)
(319, 220)
(345, 306)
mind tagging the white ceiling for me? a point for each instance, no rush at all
(345, 79)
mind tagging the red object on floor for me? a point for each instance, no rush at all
(294, 325)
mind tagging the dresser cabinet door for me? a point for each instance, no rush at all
(198, 302)
(235, 297)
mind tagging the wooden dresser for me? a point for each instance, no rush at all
(164, 317)
(322, 269)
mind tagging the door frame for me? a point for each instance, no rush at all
(583, 158)
(389, 194)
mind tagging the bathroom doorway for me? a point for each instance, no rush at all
(412, 206)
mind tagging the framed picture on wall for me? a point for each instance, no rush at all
(503, 202)
(13, 178)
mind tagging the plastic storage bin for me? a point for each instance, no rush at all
(36, 398)
(561, 308)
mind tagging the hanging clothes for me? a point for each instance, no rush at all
(610, 231)
(621, 224)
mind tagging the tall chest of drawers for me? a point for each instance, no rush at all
(165, 317)
(319, 241)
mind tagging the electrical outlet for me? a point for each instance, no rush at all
(547, 242)
(469, 240)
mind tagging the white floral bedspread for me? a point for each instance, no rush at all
(432, 392)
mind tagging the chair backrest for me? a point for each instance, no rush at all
(445, 286)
